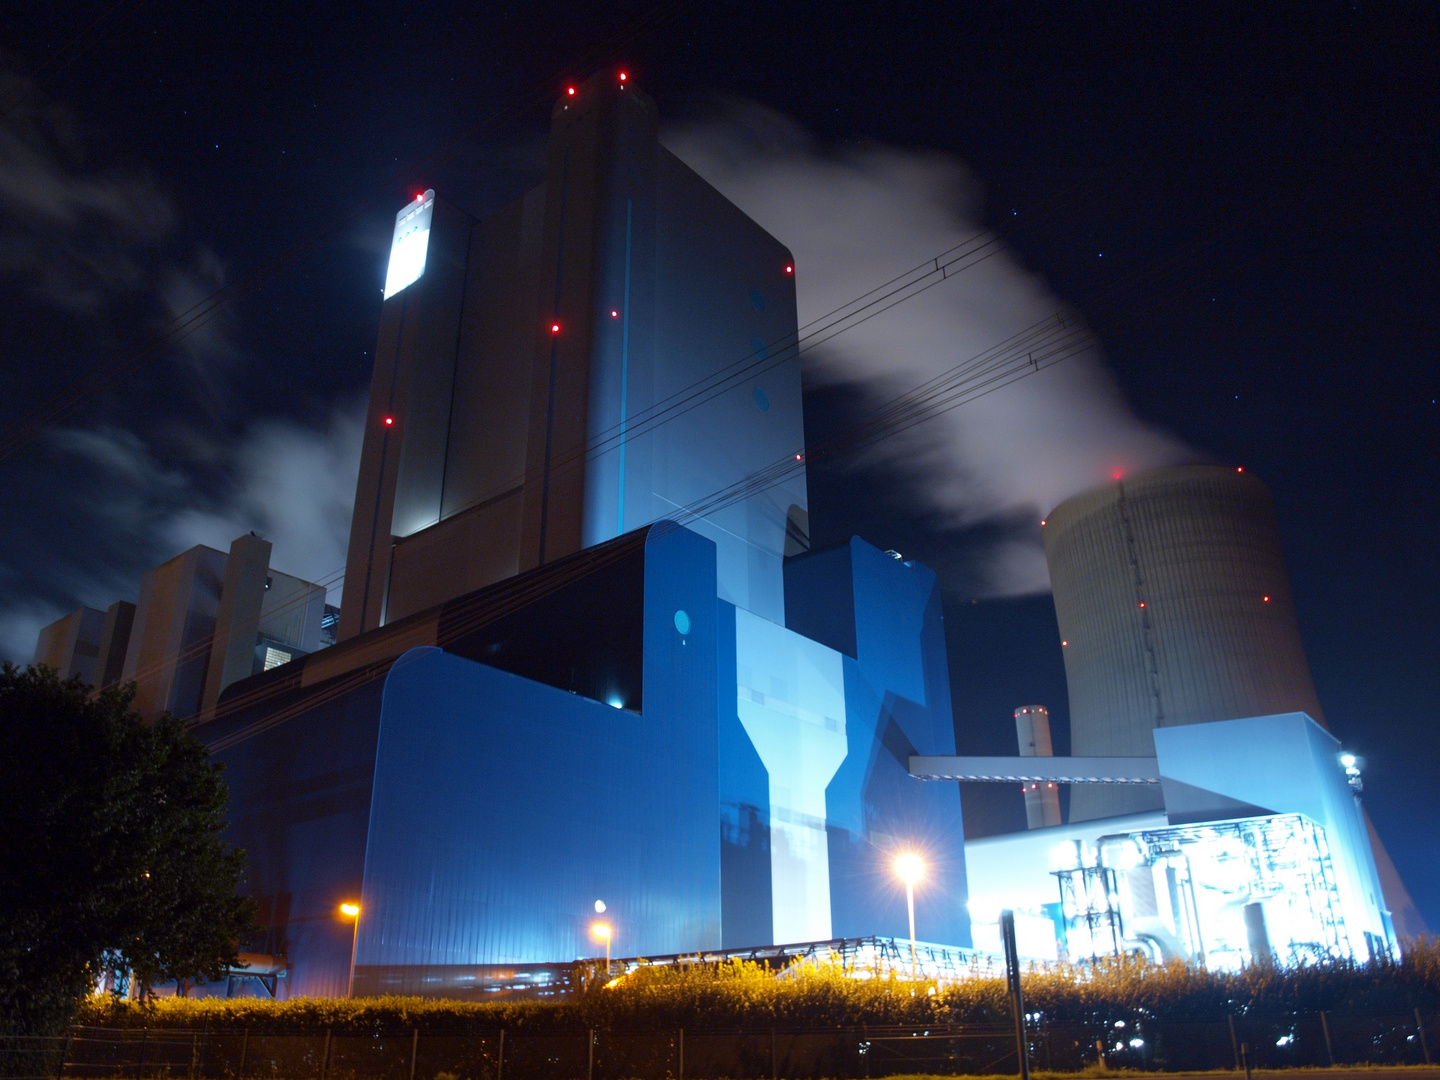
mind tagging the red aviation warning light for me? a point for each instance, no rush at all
(623, 76)
(570, 91)
(420, 197)
(554, 327)
(789, 269)
(389, 421)
(1265, 599)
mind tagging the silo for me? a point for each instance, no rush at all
(1174, 608)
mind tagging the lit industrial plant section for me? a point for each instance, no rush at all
(1222, 894)
(410, 244)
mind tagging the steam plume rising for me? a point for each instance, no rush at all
(857, 219)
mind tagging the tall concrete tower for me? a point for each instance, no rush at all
(1174, 608)
(615, 346)
(1032, 731)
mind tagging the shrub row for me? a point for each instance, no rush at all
(736, 994)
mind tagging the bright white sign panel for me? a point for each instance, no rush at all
(412, 240)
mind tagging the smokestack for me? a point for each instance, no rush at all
(1042, 802)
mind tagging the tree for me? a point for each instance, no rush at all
(110, 849)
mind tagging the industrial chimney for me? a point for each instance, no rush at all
(1042, 800)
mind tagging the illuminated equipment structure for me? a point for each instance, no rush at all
(545, 689)
(203, 620)
(1252, 809)
(1174, 607)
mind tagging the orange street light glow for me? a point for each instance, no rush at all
(350, 910)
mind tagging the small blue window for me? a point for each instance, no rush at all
(762, 402)
(758, 299)
(682, 622)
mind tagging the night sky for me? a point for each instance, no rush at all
(1244, 207)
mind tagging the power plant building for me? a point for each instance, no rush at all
(587, 659)
(585, 653)
(1198, 745)
(202, 621)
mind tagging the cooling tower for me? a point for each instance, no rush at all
(1174, 608)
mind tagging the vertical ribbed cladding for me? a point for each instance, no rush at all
(1174, 605)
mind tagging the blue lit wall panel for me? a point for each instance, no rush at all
(504, 808)
(897, 701)
(745, 898)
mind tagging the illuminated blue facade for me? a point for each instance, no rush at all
(716, 779)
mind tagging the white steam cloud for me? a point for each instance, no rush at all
(856, 219)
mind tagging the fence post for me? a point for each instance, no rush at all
(325, 1060)
(590, 1069)
(244, 1051)
(1017, 1000)
(772, 1054)
(1245, 1059)
(70, 1034)
(1234, 1042)
(1420, 1027)
(140, 1068)
(414, 1051)
(682, 1054)
(1325, 1027)
(500, 1061)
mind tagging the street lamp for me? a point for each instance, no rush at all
(351, 911)
(911, 869)
(602, 930)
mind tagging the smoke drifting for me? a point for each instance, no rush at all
(856, 219)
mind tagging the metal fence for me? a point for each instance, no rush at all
(152, 1053)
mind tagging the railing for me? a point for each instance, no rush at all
(1236, 1043)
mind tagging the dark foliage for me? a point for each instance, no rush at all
(110, 853)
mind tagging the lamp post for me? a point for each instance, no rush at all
(602, 930)
(911, 869)
(351, 911)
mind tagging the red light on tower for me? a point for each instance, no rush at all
(614, 314)
(570, 91)
(1239, 468)
(789, 269)
(1142, 603)
(389, 421)
(623, 76)
(420, 197)
(1264, 599)
(554, 327)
